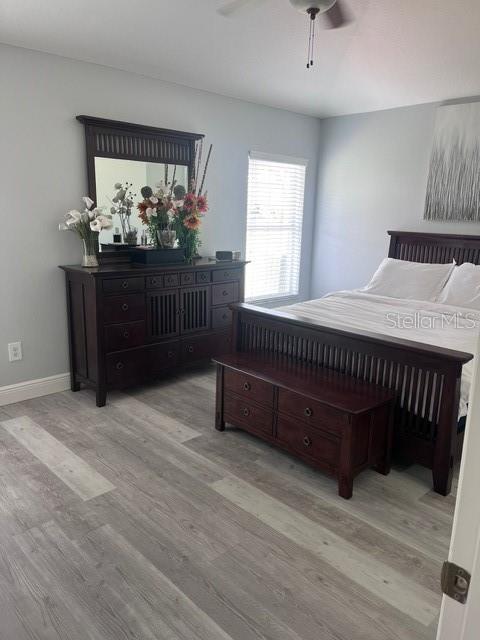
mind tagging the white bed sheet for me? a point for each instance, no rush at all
(426, 322)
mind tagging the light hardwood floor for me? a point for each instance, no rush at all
(139, 521)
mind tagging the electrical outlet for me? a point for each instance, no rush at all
(14, 351)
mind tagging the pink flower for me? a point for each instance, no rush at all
(202, 204)
(189, 201)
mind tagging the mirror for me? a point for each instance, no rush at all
(132, 175)
(123, 152)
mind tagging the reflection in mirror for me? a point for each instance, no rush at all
(110, 172)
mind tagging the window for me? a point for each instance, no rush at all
(276, 188)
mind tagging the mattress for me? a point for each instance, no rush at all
(419, 321)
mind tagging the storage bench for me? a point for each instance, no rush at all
(332, 421)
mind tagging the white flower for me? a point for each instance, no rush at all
(96, 225)
(91, 215)
(88, 202)
(105, 222)
(151, 212)
(179, 204)
(154, 200)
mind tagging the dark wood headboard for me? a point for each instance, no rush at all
(434, 247)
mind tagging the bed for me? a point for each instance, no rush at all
(431, 392)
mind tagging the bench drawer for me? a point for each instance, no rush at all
(120, 285)
(248, 387)
(312, 412)
(247, 415)
(124, 336)
(225, 293)
(124, 308)
(309, 442)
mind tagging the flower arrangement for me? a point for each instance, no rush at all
(122, 205)
(87, 224)
(187, 217)
(156, 214)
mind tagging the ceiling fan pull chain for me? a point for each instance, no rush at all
(313, 40)
(309, 53)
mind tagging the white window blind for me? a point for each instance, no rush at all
(276, 188)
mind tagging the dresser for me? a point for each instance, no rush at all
(131, 324)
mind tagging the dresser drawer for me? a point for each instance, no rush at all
(225, 293)
(126, 367)
(120, 285)
(203, 277)
(204, 347)
(311, 411)
(124, 308)
(225, 275)
(247, 415)
(163, 356)
(187, 278)
(171, 280)
(221, 317)
(124, 336)
(154, 282)
(248, 387)
(309, 442)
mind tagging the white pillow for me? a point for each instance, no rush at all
(463, 287)
(409, 280)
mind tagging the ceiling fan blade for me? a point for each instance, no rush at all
(336, 17)
(233, 6)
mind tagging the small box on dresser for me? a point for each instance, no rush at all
(129, 324)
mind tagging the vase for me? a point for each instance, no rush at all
(90, 251)
(166, 238)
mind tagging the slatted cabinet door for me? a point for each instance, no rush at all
(163, 312)
(194, 309)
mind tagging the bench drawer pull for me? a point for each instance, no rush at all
(247, 386)
(246, 412)
(308, 412)
(125, 284)
(119, 366)
(124, 306)
(126, 334)
(306, 441)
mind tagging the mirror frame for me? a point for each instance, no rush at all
(125, 140)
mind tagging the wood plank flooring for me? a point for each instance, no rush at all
(139, 521)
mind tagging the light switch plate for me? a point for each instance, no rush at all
(14, 351)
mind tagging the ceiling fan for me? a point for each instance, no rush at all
(332, 12)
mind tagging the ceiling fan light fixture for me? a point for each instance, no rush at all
(304, 6)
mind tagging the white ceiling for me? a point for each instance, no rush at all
(394, 53)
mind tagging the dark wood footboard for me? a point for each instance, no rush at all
(426, 378)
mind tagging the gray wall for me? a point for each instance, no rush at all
(42, 170)
(373, 172)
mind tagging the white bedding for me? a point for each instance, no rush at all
(427, 322)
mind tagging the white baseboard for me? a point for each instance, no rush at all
(34, 388)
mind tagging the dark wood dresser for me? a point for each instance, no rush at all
(130, 324)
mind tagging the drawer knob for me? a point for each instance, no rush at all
(224, 293)
(124, 306)
(119, 366)
(246, 386)
(306, 441)
(190, 349)
(246, 412)
(226, 274)
(153, 281)
(170, 354)
(125, 284)
(308, 412)
(182, 312)
(126, 334)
